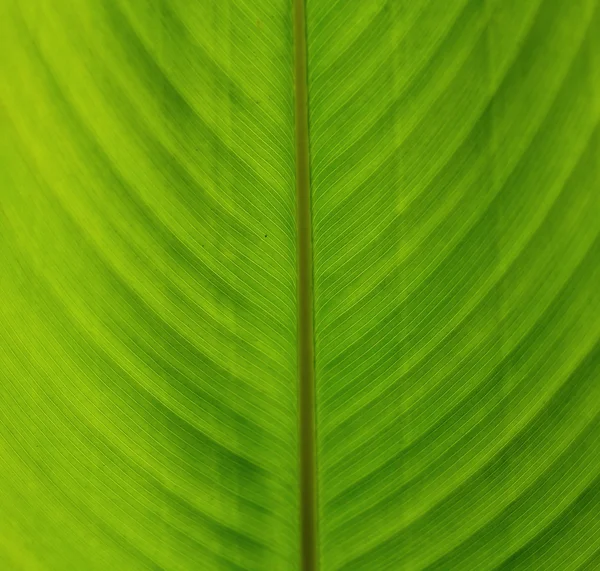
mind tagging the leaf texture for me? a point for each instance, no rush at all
(149, 284)
(148, 314)
(455, 177)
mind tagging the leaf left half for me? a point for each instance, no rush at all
(147, 285)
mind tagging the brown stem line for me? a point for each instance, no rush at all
(306, 354)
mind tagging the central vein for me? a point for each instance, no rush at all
(306, 357)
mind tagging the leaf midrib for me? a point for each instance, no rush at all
(306, 368)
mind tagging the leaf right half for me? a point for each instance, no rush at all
(455, 161)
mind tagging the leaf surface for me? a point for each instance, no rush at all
(149, 296)
(455, 178)
(148, 354)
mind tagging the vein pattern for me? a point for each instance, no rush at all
(456, 201)
(148, 286)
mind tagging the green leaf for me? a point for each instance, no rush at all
(151, 323)
(456, 197)
(148, 287)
